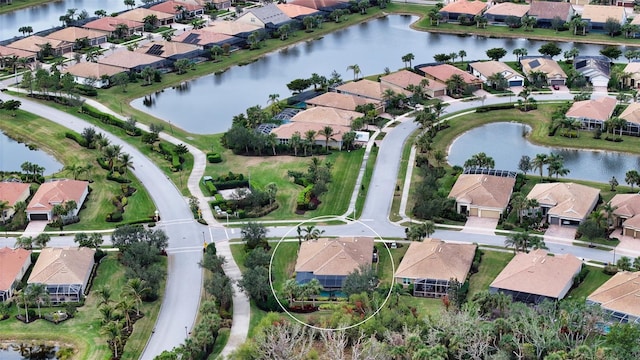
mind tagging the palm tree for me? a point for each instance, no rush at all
(24, 242)
(455, 83)
(311, 232)
(356, 70)
(272, 140)
(291, 290)
(25, 299)
(4, 206)
(519, 203)
(295, 141)
(137, 289)
(215, 52)
(113, 331)
(408, 58)
(126, 305)
(328, 133)
(111, 153)
(539, 162)
(310, 138)
(312, 288)
(38, 293)
(104, 293)
(126, 162)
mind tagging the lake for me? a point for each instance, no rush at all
(13, 154)
(29, 352)
(208, 104)
(506, 145)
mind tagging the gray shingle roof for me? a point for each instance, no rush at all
(270, 14)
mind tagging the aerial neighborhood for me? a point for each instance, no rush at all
(474, 197)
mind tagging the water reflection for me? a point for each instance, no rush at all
(28, 351)
(506, 145)
(13, 154)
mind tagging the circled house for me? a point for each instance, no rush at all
(368, 89)
(593, 113)
(330, 260)
(72, 34)
(485, 70)
(64, 271)
(342, 102)
(404, 78)
(554, 73)
(534, 277)
(565, 203)
(618, 297)
(431, 265)
(444, 72)
(139, 14)
(482, 195)
(57, 192)
(109, 25)
(13, 265)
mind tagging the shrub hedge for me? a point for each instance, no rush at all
(76, 137)
(214, 158)
(110, 120)
(488, 108)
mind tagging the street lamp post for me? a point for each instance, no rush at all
(186, 334)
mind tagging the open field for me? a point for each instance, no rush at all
(490, 266)
(21, 4)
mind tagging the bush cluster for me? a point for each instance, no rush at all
(214, 158)
(110, 120)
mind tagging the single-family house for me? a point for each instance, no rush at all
(369, 89)
(487, 69)
(133, 61)
(469, 9)
(546, 11)
(57, 192)
(233, 28)
(109, 24)
(534, 277)
(565, 203)
(500, 12)
(632, 116)
(592, 113)
(322, 5)
(13, 265)
(139, 14)
(221, 4)
(34, 43)
(403, 78)
(94, 74)
(284, 133)
(64, 271)
(342, 101)
(8, 55)
(327, 116)
(618, 297)
(179, 9)
(11, 193)
(553, 71)
(627, 213)
(297, 12)
(444, 72)
(72, 34)
(430, 266)
(633, 69)
(597, 15)
(596, 69)
(268, 16)
(171, 50)
(482, 195)
(330, 260)
(207, 39)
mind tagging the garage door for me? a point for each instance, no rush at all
(554, 221)
(557, 82)
(473, 212)
(628, 232)
(491, 214)
(599, 81)
(38, 217)
(515, 83)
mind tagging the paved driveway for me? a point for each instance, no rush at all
(480, 225)
(560, 233)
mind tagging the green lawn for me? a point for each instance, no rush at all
(385, 269)
(594, 279)
(366, 180)
(491, 265)
(49, 137)
(284, 261)
(21, 4)
(402, 173)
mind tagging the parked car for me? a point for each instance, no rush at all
(556, 87)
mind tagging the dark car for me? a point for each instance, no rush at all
(556, 87)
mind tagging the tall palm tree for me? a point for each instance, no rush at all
(310, 138)
(111, 153)
(104, 294)
(114, 332)
(519, 203)
(291, 289)
(356, 70)
(126, 306)
(25, 298)
(312, 288)
(38, 293)
(137, 289)
(126, 162)
(295, 142)
(328, 133)
(539, 162)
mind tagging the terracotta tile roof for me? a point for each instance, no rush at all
(31, 43)
(632, 113)
(110, 23)
(444, 72)
(57, 192)
(620, 293)
(633, 67)
(508, 9)
(167, 48)
(201, 37)
(339, 256)
(293, 10)
(550, 9)
(72, 33)
(465, 7)
(318, 4)
(138, 14)
(369, 89)
(600, 13)
(62, 266)
(404, 78)
(7, 52)
(540, 274)
(129, 59)
(483, 190)
(326, 116)
(436, 259)
(12, 191)
(340, 101)
(628, 207)
(91, 69)
(598, 109)
(488, 68)
(11, 261)
(547, 66)
(231, 27)
(169, 7)
(285, 131)
(567, 200)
